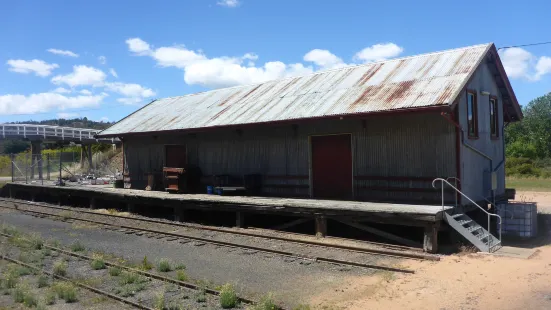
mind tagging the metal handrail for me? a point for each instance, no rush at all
(487, 213)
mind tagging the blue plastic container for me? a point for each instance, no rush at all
(219, 191)
(210, 190)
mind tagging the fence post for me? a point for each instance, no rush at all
(12, 156)
(48, 166)
(26, 168)
(60, 157)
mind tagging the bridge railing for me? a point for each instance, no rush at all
(45, 132)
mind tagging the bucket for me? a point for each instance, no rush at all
(219, 191)
(210, 190)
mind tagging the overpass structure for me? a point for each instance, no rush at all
(38, 134)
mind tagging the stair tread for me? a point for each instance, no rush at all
(457, 215)
(463, 222)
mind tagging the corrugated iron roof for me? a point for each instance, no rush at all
(412, 82)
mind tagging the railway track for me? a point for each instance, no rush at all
(183, 284)
(30, 207)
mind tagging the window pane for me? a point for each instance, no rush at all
(470, 114)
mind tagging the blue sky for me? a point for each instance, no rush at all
(105, 59)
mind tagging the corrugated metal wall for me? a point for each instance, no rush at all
(474, 182)
(405, 145)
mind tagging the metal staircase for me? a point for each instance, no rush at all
(467, 227)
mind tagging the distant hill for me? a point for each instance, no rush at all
(75, 122)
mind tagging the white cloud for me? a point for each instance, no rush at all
(130, 89)
(378, 52)
(85, 92)
(218, 71)
(113, 73)
(61, 90)
(104, 119)
(138, 46)
(102, 60)
(324, 59)
(543, 67)
(81, 75)
(516, 62)
(38, 67)
(520, 63)
(229, 3)
(133, 93)
(67, 115)
(45, 102)
(62, 52)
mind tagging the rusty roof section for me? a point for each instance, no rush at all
(414, 82)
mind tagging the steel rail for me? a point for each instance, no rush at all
(230, 244)
(90, 288)
(257, 235)
(184, 284)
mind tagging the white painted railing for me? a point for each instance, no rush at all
(46, 131)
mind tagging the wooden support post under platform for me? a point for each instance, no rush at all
(33, 197)
(430, 240)
(92, 203)
(179, 214)
(239, 219)
(321, 226)
(130, 207)
(383, 234)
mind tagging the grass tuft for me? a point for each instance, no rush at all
(77, 247)
(180, 266)
(160, 302)
(66, 291)
(181, 275)
(164, 265)
(42, 281)
(60, 268)
(98, 264)
(114, 271)
(50, 297)
(146, 265)
(228, 297)
(266, 302)
(201, 296)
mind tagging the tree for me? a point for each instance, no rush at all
(534, 131)
(15, 146)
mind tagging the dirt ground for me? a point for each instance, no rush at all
(462, 281)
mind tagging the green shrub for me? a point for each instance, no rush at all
(77, 246)
(146, 265)
(164, 266)
(181, 275)
(129, 290)
(131, 277)
(97, 264)
(267, 303)
(201, 296)
(160, 301)
(180, 266)
(36, 241)
(60, 268)
(42, 281)
(19, 293)
(66, 291)
(523, 167)
(50, 297)
(114, 271)
(228, 297)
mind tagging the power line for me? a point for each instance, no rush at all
(524, 45)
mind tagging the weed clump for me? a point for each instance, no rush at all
(77, 247)
(181, 275)
(201, 296)
(164, 265)
(42, 281)
(267, 303)
(228, 297)
(114, 271)
(180, 266)
(60, 268)
(146, 265)
(160, 303)
(66, 291)
(98, 263)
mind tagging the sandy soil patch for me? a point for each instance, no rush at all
(468, 281)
